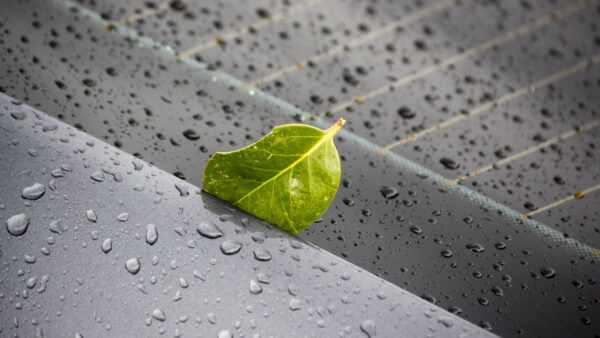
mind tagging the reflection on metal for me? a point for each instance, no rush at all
(421, 14)
(143, 14)
(525, 152)
(576, 195)
(245, 30)
(485, 46)
(582, 65)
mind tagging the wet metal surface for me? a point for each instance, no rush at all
(116, 247)
(477, 83)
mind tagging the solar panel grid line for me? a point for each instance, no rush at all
(576, 195)
(399, 161)
(478, 49)
(143, 14)
(405, 21)
(562, 137)
(582, 65)
(245, 30)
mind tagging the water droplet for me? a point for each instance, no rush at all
(31, 282)
(475, 247)
(43, 284)
(91, 216)
(449, 163)
(209, 230)
(29, 259)
(262, 254)
(158, 314)
(151, 234)
(225, 334)
(368, 327)
(107, 245)
(18, 115)
(255, 288)
(191, 135)
(262, 278)
(55, 227)
(133, 265)
(183, 189)
(446, 253)
(406, 113)
(230, 247)
(547, 272)
(416, 230)
(123, 217)
(446, 321)
(17, 224)
(388, 192)
(97, 176)
(497, 291)
(34, 192)
(295, 304)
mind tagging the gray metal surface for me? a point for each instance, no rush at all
(61, 277)
(142, 100)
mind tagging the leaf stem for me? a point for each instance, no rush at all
(335, 128)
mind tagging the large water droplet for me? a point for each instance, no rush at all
(107, 245)
(475, 247)
(17, 224)
(151, 234)
(262, 254)
(158, 314)
(255, 288)
(547, 272)
(230, 247)
(91, 216)
(368, 327)
(34, 192)
(389, 192)
(133, 265)
(97, 176)
(209, 230)
(225, 334)
(295, 304)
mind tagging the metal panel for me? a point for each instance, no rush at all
(98, 243)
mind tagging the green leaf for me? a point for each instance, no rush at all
(287, 178)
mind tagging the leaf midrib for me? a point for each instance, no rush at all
(328, 133)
